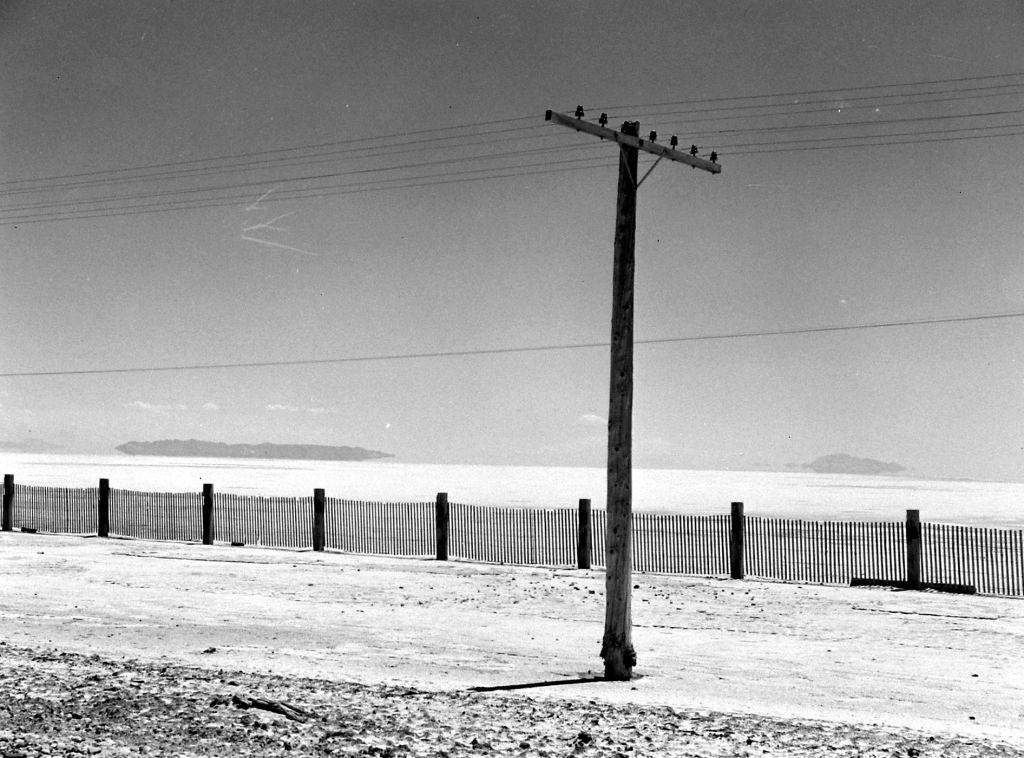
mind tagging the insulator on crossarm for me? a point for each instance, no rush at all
(714, 157)
(653, 137)
(693, 150)
(674, 142)
(579, 111)
(603, 121)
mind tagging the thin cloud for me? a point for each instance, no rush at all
(256, 206)
(279, 246)
(142, 405)
(284, 408)
(270, 224)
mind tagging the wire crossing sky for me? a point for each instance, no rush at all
(506, 350)
(973, 124)
(367, 198)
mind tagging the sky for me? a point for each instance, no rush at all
(207, 183)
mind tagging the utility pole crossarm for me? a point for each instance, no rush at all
(625, 139)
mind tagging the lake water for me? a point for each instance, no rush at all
(783, 495)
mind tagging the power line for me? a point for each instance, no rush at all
(512, 350)
(117, 176)
(665, 126)
(425, 181)
(848, 124)
(461, 128)
(187, 190)
(888, 135)
(287, 180)
(377, 185)
(61, 207)
(304, 194)
(803, 93)
(379, 151)
(251, 154)
(209, 196)
(273, 165)
(388, 151)
(866, 101)
(877, 144)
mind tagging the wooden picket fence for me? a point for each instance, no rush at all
(378, 528)
(901, 553)
(988, 559)
(824, 552)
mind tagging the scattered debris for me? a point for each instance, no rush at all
(59, 703)
(276, 706)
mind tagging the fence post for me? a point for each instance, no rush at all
(103, 529)
(583, 535)
(914, 549)
(8, 513)
(319, 529)
(736, 541)
(441, 522)
(208, 513)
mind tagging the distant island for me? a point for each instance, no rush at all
(841, 463)
(201, 449)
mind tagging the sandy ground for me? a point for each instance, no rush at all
(942, 664)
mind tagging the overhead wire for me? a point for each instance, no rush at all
(287, 162)
(287, 180)
(893, 143)
(249, 154)
(465, 140)
(290, 157)
(549, 167)
(417, 174)
(803, 93)
(377, 185)
(522, 349)
(849, 124)
(865, 101)
(447, 178)
(460, 130)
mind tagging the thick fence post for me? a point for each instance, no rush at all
(583, 535)
(914, 549)
(208, 513)
(736, 541)
(103, 506)
(441, 521)
(8, 513)
(319, 528)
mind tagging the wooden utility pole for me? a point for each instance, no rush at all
(617, 644)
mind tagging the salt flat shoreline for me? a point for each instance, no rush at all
(899, 665)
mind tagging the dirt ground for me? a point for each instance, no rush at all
(939, 665)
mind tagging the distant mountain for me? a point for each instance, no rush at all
(201, 449)
(841, 463)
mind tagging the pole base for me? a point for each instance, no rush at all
(619, 660)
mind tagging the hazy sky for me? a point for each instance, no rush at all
(198, 109)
